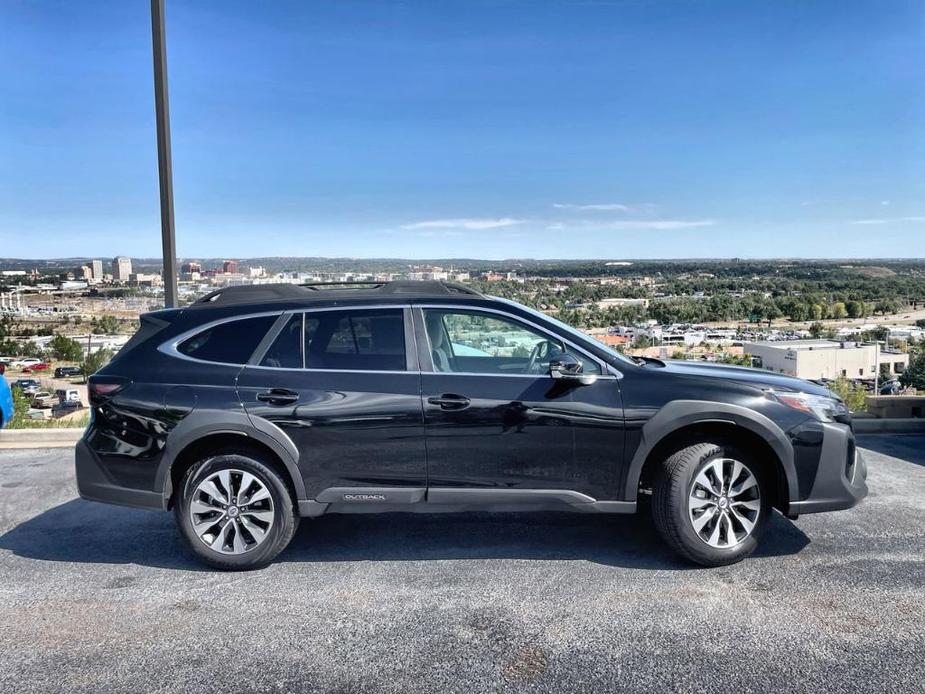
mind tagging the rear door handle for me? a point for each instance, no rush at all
(449, 401)
(278, 396)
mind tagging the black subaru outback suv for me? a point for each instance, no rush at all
(258, 405)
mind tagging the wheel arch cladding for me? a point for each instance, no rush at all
(205, 432)
(681, 420)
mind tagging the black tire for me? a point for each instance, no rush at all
(280, 532)
(673, 485)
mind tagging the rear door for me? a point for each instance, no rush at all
(343, 384)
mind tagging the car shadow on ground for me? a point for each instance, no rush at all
(82, 531)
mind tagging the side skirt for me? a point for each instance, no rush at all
(455, 500)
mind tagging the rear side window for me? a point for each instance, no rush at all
(346, 340)
(231, 342)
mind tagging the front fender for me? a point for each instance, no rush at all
(681, 413)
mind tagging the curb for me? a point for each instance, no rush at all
(40, 438)
(871, 425)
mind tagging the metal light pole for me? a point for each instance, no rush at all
(164, 165)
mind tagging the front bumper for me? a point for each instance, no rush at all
(841, 476)
(94, 484)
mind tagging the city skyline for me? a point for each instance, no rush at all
(484, 130)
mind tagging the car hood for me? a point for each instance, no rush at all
(742, 374)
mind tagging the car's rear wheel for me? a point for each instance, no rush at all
(711, 503)
(235, 512)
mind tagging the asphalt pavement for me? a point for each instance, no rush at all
(95, 598)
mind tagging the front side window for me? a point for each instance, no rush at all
(475, 342)
(231, 342)
(349, 340)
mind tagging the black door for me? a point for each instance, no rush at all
(495, 419)
(337, 383)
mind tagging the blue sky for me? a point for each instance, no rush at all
(504, 128)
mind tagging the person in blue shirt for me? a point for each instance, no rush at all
(6, 399)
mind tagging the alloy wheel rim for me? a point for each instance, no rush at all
(724, 503)
(231, 511)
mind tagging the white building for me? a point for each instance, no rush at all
(96, 268)
(815, 359)
(121, 268)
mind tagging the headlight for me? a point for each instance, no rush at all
(821, 407)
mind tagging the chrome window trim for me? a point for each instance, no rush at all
(607, 372)
(170, 348)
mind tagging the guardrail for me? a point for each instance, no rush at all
(40, 438)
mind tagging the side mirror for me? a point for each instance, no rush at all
(567, 367)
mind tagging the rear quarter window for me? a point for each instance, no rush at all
(231, 342)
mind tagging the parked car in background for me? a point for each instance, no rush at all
(68, 371)
(65, 408)
(44, 399)
(67, 395)
(23, 363)
(256, 406)
(38, 415)
(41, 366)
(27, 385)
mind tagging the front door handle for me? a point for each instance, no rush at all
(449, 401)
(278, 396)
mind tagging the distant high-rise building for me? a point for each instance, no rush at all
(191, 267)
(121, 268)
(96, 267)
(230, 266)
(86, 272)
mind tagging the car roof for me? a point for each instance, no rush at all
(334, 292)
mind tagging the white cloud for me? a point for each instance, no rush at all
(601, 207)
(657, 224)
(469, 223)
(889, 220)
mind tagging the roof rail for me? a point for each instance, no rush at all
(251, 292)
(272, 292)
(372, 284)
(399, 286)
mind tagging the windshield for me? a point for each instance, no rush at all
(580, 337)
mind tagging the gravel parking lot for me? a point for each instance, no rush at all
(98, 598)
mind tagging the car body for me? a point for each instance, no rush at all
(68, 371)
(65, 408)
(41, 366)
(27, 385)
(25, 362)
(44, 399)
(427, 396)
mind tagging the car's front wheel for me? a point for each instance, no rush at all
(711, 503)
(235, 512)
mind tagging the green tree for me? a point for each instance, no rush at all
(106, 325)
(21, 404)
(886, 306)
(65, 348)
(816, 330)
(855, 309)
(914, 375)
(852, 394)
(95, 361)
(838, 310)
(30, 349)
